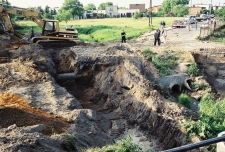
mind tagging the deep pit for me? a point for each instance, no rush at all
(121, 90)
(96, 92)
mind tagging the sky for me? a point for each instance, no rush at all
(120, 3)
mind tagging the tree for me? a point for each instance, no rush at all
(47, 9)
(103, 5)
(63, 15)
(167, 5)
(180, 10)
(48, 16)
(136, 14)
(221, 13)
(204, 11)
(40, 10)
(90, 6)
(74, 7)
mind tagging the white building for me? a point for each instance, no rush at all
(111, 11)
(92, 13)
(127, 12)
(206, 6)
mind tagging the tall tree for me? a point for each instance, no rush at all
(167, 5)
(74, 6)
(40, 10)
(47, 9)
(221, 13)
(103, 5)
(63, 15)
(90, 6)
(180, 10)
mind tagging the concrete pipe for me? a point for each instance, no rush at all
(175, 87)
(186, 83)
(67, 76)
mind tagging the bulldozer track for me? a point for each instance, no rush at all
(56, 44)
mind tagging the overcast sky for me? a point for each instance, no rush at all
(120, 3)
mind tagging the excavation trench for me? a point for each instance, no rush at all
(122, 92)
(211, 62)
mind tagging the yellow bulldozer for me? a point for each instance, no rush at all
(52, 35)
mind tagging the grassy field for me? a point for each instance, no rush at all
(104, 30)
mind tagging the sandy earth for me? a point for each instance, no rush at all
(114, 94)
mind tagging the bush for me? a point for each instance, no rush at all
(148, 54)
(193, 69)
(184, 100)
(124, 145)
(68, 142)
(223, 31)
(211, 121)
(216, 34)
(163, 62)
(136, 15)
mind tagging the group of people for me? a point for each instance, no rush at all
(160, 35)
(162, 24)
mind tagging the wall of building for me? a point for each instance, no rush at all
(141, 7)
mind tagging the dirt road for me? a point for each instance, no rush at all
(177, 39)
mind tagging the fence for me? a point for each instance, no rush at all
(209, 28)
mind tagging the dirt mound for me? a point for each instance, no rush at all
(19, 112)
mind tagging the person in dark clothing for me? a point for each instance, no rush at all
(164, 24)
(123, 35)
(157, 37)
(31, 34)
(161, 24)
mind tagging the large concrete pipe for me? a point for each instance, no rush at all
(67, 76)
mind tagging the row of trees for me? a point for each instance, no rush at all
(74, 8)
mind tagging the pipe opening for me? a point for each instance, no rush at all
(175, 88)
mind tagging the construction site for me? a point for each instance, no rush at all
(94, 94)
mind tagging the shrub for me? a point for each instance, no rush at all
(136, 15)
(148, 54)
(211, 121)
(193, 69)
(124, 145)
(223, 31)
(172, 99)
(216, 34)
(184, 100)
(68, 142)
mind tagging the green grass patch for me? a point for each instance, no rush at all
(184, 100)
(124, 145)
(211, 121)
(193, 69)
(104, 30)
(199, 86)
(164, 62)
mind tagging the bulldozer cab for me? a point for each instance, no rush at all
(50, 26)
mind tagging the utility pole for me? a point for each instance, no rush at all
(211, 8)
(150, 13)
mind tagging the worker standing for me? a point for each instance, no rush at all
(196, 24)
(188, 25)
(163, 35)
(157, 37)
(31, 34)
(123, 35)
